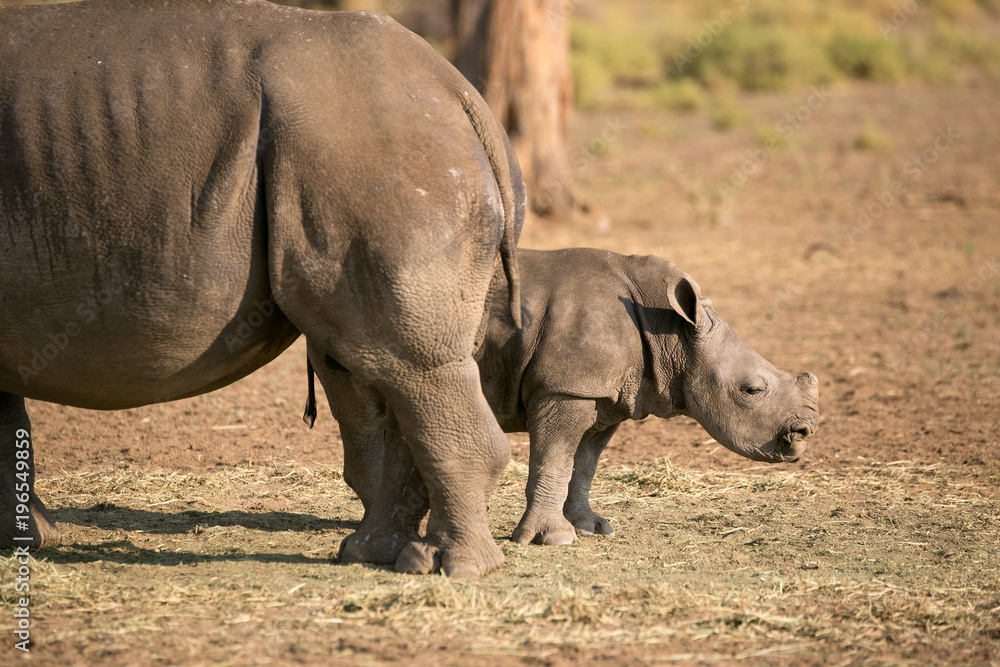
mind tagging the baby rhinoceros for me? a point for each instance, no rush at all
(604, 338)
(607, 338)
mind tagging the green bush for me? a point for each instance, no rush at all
(683, 95)
(606, 57)
(866, 57)
(592, 81)
(753, 57)
(727, 113)
(677, 55)
(870, 138)
(960, 48)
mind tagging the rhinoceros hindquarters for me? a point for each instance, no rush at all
(385, 266)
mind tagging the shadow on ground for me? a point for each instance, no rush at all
(109, 516)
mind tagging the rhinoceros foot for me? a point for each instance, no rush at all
(380, 547)
(548, 530)
(41, 528)
(587, 522)
(423, 557)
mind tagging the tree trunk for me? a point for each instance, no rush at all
(516, 52)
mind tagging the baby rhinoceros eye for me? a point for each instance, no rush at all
(752, 389)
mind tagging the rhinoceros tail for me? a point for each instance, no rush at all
(506, 169)
(509, 258)
(309, 416)
(510, 183)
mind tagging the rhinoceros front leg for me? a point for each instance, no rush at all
(556, 426)
(17, 481)
(577, 509)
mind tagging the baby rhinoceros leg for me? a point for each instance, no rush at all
(556, 426)
(577, 508)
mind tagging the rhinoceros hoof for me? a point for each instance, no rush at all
(41, 528)
(455, 562)
(592, 525)
(544, 538)
(419, 558)
(557, 531)
(379, 548)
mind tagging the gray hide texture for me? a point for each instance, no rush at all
(605, 338)
(188, 185)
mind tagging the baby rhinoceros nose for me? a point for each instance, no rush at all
(799, 434)
(793, 443)
(809, 379)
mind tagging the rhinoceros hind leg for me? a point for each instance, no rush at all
(459, 480)
(393, 519)
(577, 509)
(361, 414)
(15, 429)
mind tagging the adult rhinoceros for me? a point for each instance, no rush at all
(187, 186)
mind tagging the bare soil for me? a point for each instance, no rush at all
(200, 531)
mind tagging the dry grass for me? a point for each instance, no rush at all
(892, 565)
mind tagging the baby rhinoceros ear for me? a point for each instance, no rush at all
(685, 298)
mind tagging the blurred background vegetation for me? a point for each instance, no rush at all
(673, 54)
(682, 56)
(676, 53)
(649, 53)
(679, 53)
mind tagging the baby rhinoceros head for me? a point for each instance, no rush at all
(745, 402)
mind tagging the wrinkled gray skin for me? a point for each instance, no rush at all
(605, 338)
(185, 187)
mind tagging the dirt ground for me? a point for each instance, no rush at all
(873, 263)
